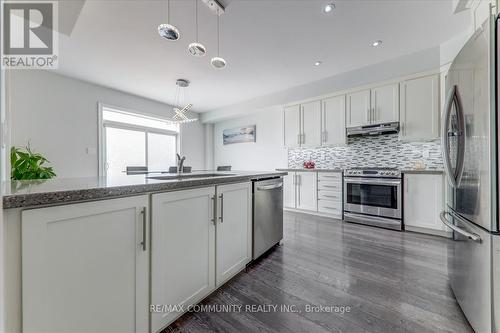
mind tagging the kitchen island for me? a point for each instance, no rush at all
(104, 255)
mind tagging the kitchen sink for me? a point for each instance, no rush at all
(190, 176)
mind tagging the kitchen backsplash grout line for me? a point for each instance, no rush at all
(375, 151)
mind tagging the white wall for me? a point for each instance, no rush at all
(267, 153)
(405, 65)
(59, 116)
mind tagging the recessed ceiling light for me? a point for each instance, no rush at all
(329, 8)
(377, 43)
(317, 63)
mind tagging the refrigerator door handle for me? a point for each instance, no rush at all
(470, 235)
(453, 99)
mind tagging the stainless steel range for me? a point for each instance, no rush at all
(373, 196)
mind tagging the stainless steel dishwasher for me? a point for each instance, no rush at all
(267, 214)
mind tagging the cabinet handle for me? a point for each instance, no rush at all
(144, 228)
(367, 115)
(303, 138)
(213, 210)
(298, 139)
(221, 217)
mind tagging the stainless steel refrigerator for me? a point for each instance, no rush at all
(469, 142)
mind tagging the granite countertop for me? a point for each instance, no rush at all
(311, 170)
(412, 171)
(426, 171)
(34, 193)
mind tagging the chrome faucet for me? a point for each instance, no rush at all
(180, 163)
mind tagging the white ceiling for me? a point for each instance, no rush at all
(270, 45)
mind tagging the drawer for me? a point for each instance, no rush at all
(330, 207)
(330, 195)
(330, 185)
(337, 176)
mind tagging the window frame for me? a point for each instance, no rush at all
(102, 123)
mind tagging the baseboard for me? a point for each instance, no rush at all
(421, 230)
(310, 212)
(429, 231)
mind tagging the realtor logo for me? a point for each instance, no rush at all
(29, 37)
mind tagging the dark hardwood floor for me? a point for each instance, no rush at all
(392, 281)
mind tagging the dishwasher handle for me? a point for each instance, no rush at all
(269, 187)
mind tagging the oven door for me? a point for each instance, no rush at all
(373, 196)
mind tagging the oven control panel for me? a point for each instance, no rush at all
(384, 173)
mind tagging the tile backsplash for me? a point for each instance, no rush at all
(376, 151)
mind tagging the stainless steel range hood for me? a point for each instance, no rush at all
(387, 128)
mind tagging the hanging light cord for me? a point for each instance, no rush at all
(218, 34)
(196, 2)
(168, 11)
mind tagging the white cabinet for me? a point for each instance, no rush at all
(307, 190)
(289, 190)
(183, 250)
(333, 121)
(423, 202)
(358, 108)
(385, 104)
(234, 230)
(292, 129)
(330, 193)
(419, 110)
(302, 125)
(85, 267)
(310, 123)
(301, 190)
(374, 106)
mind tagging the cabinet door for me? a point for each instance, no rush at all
(333, 121)
(385, 104)
(358, 108)
(289, 190)
(420, 108)
(85, 268)
(423, 201)
(234, 230)
(311, 124)
(183, 250)
(291, 123)
(307, 190)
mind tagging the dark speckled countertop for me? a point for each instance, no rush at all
(34, 193)
(408, 171)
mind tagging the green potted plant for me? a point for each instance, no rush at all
(26, 164)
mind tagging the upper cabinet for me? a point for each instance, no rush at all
(420, 108)
(373, 106)
(302, 125)
(310, 117)
(358, 108)
(333, 121)
(291, 123)
(385, 104)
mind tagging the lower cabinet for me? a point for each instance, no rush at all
(423, 202)
(183, 251)
(234, 230)
(301, 190)
(307, 190)
(330, 194)
(200, 239)
(85, 267)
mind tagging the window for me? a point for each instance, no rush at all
(133, 140)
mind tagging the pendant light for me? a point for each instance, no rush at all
(167, 30)
(197, 49)
(218, 62)
(180, 116)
